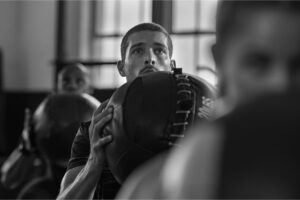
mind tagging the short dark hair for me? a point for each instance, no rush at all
(228, 12)
(74, 66)
(145, 27)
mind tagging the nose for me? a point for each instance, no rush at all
(149, 58)
(71, 85)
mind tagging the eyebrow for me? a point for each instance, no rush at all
(160, 44)
(137, 45)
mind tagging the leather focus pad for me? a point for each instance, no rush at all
(57, 120)
(252, 153)
(150, 114)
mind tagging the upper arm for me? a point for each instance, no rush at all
(79, 156)
(80, 148)
(69, 177)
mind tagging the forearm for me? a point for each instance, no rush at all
(84, 185)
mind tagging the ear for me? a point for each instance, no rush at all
(120, 65)
(173, 64)
(216, 54)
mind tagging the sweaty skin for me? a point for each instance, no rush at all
(147, 52)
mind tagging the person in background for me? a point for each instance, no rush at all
(72, 79)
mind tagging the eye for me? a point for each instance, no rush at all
(137, 51)
(160, 51)
(258, 64)
(66, 80)
(295, 66)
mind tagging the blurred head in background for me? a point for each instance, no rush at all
(257, 49)
(145, 48)
(73, 79)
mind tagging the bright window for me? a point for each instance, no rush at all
(193, 33)
(112, 18)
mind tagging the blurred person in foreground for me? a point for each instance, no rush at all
(257, 52)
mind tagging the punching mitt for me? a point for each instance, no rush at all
(150, 114)
(252, 153)
(56, 122)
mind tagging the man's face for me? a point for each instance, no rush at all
(73, 81)
(263, 56)
(147, 52)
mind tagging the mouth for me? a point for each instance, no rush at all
(148, 69)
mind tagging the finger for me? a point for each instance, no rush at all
(106, 110)
(100, 109)
(99, 125)
(99, 116)
(104, 141)
(105, 132)
(27, 118)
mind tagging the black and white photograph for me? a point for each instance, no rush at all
(149, 99)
